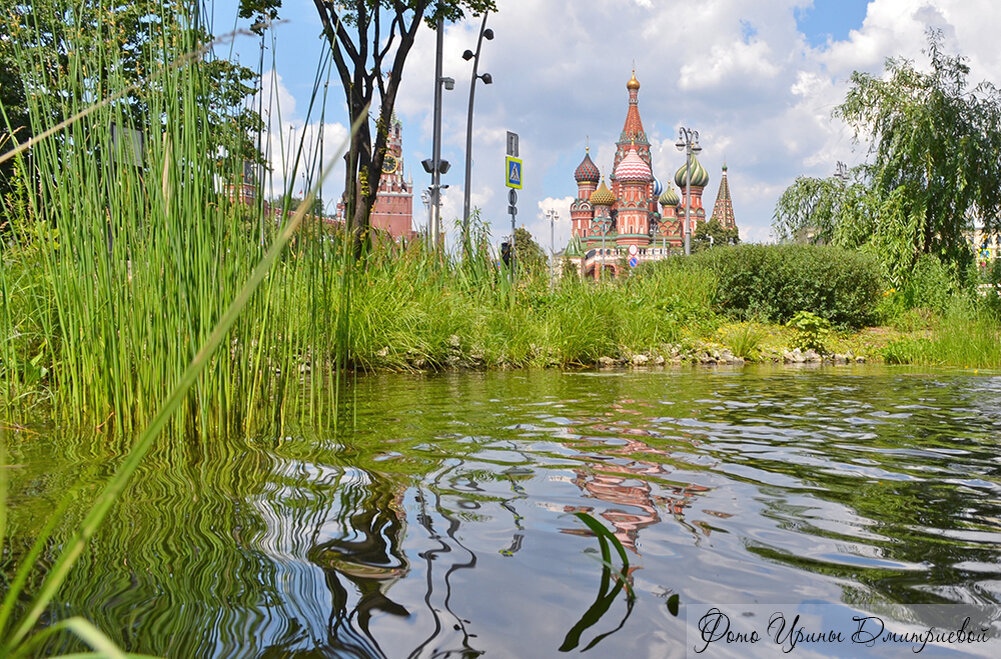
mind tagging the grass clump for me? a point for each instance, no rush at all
(967, 335)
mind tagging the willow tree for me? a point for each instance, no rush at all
(934, 147)
(370, 41)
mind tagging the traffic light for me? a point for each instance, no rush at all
(506, 254)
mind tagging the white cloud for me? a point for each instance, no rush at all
(288, 138)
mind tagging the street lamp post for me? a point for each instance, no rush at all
(604, 232)
(688, 141)
(553, 215)
(488, 34)
(435, 166)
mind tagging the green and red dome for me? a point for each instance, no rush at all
(587, 171)
(700, 177)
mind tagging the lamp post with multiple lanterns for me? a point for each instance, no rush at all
(688, 141)
(435, 166)
(488, 34)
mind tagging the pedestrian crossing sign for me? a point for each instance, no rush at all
(513, 169)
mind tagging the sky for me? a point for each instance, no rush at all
(757, 78)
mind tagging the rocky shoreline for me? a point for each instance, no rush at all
(459, 357)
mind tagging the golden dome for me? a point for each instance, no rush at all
(602, 196)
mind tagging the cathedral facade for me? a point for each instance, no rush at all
(637, 218)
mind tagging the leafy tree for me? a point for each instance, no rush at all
(935, 166)
(316, 208)
(529, 256)
(370, 41)
(82, 51)
(715, 230)
(826, 210)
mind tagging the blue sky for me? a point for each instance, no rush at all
(757, 78)
(824, 20)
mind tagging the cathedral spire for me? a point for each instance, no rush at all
(633, 127)
(723, 208)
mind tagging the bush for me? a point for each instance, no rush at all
(773, 282)
(811, 331)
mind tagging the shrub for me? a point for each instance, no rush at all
(773, 282)
(811, 330)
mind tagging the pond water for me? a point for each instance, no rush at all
(441, 525)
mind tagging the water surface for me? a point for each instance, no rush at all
(441, 525)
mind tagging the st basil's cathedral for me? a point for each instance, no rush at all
(622, 224)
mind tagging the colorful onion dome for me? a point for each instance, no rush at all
(658, 187)
(633, 83)
(669, 197)
(602, 196)
(633, 168)
(587, 171)
(700, 177)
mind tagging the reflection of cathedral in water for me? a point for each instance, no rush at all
(626, 486)
(373, 563)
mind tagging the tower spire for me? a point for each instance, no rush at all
(723, 208)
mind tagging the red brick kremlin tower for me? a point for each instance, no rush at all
(393, 210)
(637, 212)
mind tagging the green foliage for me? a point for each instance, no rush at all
(293, 202)
(814, 210)
(811, 330)
(934, 146)
(711, 233)
(528, 254)
(605, 596)
(110, 271)
(990, 286)
(773, 282)
(932, 284)
(968, 335)
(744, 340)
(569, 271)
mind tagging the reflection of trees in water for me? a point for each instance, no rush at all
(446, 545)
(358, 544)
(367, 554)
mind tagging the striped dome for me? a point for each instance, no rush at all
(633, 168)
(700, 177)
(602, 196)
(587, 171)
(658, 187)
(669, 197)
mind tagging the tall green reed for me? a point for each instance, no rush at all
(151, 272)
(122, 262)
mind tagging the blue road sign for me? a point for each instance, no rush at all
(513, 175)
(633, 262)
